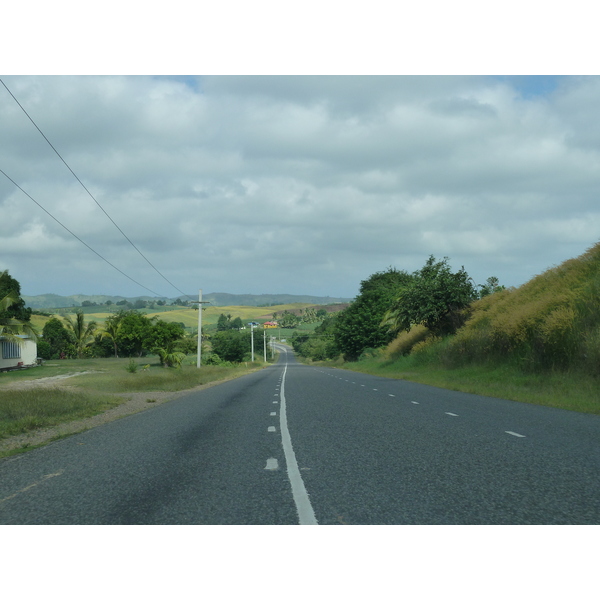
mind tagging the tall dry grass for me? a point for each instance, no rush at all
(551, 322)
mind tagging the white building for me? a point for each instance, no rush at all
(14, 355)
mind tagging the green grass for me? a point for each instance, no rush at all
(116, 379)
(25, 410)
(570, 391)
(50, 369)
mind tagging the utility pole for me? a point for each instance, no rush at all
(265, 343)
(252, 339)
(199, 352)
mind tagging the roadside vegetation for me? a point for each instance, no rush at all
(102, 384)
(538, 343)
(126, 349)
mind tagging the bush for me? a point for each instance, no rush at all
(369, 353)
(231, 345)
(44, 350)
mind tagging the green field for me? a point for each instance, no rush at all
(186, 315)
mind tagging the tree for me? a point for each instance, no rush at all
(169, 355)
(320, 344)
(56, 340)
(163, 334)
(134, 333)
(231, 345)
(359, 325)
(82, 332)
(434, 298)
(14, 317)
(491, 286)
(223, 322)
(112, 328)
(310, 316)
(288, 320)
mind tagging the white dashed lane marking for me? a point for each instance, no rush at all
(515, 434)
(272, 464)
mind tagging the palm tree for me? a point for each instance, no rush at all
(169, 356)
(112, 327)
(84, 334)
(11, 328)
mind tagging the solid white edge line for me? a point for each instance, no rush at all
(306, 514)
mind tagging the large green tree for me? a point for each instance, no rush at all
(359, 326)
(56, 341)
(435, 297)
(231, 345)
(134, 337)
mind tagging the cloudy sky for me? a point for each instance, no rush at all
(293, 184)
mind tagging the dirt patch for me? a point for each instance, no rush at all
(43, 381)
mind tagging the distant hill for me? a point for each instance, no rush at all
(56, 301)
(216, 299)
(221, 299)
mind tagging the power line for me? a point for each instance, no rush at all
(76, 237)
(89, 193)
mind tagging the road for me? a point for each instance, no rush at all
(295, 444)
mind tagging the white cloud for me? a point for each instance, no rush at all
(294, 184)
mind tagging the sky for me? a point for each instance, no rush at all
(293, 184)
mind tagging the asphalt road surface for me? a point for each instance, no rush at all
(293, 444)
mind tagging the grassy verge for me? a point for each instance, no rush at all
(567, 390)
(22, 411)
(149, 377)
(28, 409)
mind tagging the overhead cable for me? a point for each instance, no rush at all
(89, 193)
(78, 238)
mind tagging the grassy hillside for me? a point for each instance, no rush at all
(538, 343)
(550, 323)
